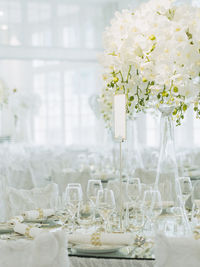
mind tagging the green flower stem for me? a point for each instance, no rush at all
(128, 75)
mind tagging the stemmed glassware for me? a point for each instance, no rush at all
(133, 189)
(144, 188)
(105, 204)
(86, 214)
(134, 218)
(78, 186)
(93, 187)
(134, 213)
(196, 203)
(196, 194)
(152, 205)
(73, 200)
(186, 188)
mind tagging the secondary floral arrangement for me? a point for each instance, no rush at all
(152, 54)
(21, 103)
(4, 93)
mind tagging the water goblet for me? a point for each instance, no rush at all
(196, 203)
(93, 187)
(186, 188)
(76, 185)
(152, 205)
(105, 204)
(134, 217)
(86, 214)
(133, 189)
(73, 200)
(196, 194)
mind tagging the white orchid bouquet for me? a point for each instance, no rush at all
(152, 54)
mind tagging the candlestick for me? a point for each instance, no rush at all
(120, 135)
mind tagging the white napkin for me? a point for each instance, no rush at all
(16, 219)
(24, 229)
(35, 214)
(105, 238)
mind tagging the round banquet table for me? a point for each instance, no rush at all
(115, 259)
(111, 262)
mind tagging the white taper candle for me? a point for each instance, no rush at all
(120, 116)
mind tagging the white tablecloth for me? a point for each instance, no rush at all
(46, 250)
(100, 262)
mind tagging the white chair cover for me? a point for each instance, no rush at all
(147, 176)
(72, 176)
(19, 200)
(46, 250)
(177, 251)
(16, 169)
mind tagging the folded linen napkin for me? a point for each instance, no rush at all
(98, 239)
(37, 214)
(27, 230)
(16, 219)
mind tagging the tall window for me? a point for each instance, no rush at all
(56, 48)
(50, 47)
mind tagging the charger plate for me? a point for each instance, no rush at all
(90, 249)
(6, 231)
(45, 223)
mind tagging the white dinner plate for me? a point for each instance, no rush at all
(45, 223)
(83, 248)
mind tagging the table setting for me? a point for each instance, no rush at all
(92, 225)
(96, 242)
(123, 198)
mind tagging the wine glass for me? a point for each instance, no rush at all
(76, 185)
(152, 205)
(86, 214)
(134, 217)
(73, 200)
(105, 204)
(93, 187)
(133, 189)
(186, 188)
(196, 203)
(144, 187)
(133, 208)
(196, 194)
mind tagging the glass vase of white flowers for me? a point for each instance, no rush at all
(152, 55)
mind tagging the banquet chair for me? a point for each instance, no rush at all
(19, 200)
(48, 249)
(15, 166)
(41, 170)
(71, 176)
(19, 178)
(177, 251)
(147, 176)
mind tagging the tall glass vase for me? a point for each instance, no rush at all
(167, 170)
(167, 174)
